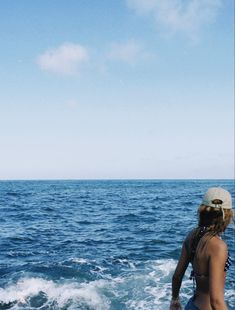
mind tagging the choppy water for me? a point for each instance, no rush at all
(97, 244)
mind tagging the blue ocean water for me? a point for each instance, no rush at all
(98, 244)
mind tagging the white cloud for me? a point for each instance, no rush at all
(65, 59)
(129, 52)
(181, 16)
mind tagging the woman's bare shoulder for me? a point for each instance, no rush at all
(217, 245)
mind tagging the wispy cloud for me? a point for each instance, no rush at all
(65, 59)
(178, 16)
(128, 52)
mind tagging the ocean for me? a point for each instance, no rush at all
(98, 245)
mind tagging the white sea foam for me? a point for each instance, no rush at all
(145, 287)
(230, 295)
(155, 284)
(61, 294)
(79, 260)
(126, 262)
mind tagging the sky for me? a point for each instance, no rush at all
(116, 89)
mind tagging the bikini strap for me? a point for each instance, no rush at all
(228, 263)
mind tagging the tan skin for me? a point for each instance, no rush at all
(208, 265)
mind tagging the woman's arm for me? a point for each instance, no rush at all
(177, 278)
(217, 260)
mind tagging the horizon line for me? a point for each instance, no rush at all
(114, 179)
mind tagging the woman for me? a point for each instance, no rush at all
(207, 253)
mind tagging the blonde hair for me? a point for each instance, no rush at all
(212, 221)
(215, 219)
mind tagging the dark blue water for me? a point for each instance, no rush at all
(97, 244)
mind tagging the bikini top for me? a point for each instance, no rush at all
(202, 232)
(228, 263)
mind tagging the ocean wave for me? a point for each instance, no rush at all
(37, 292)
(97, 244)
(143, 285)
(139, 286)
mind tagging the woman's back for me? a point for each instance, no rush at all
(204, 266)
(207, 253)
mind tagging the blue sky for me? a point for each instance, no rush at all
(116, 89)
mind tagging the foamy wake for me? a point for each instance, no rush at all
(141, 286)
(69, 295)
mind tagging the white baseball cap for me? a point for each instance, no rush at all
(217, 197)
